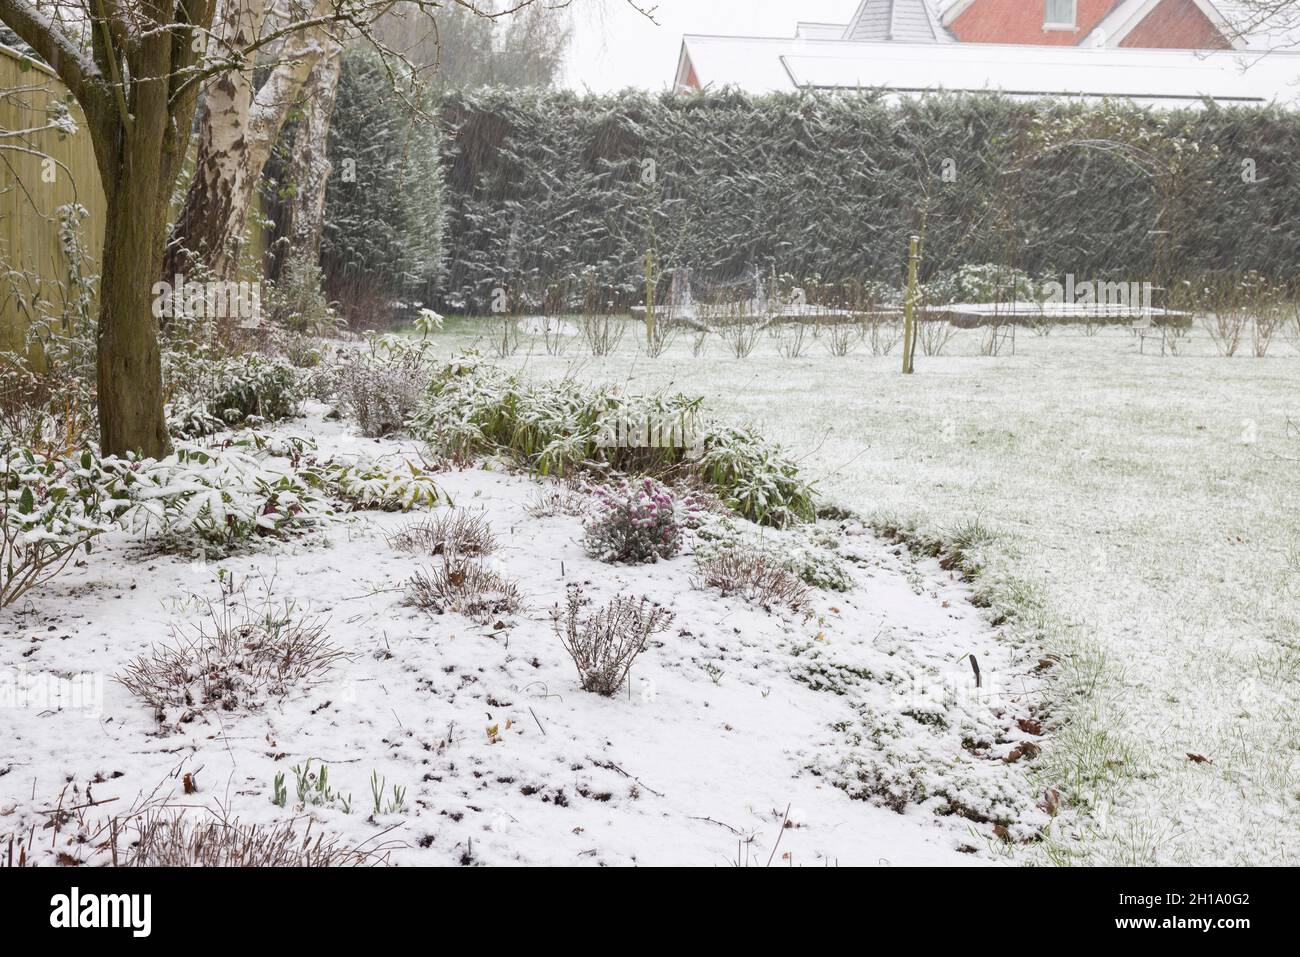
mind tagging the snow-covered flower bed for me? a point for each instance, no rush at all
(471, 737)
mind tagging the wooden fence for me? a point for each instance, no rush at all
(39, 173)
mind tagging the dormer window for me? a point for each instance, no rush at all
(1061, 15)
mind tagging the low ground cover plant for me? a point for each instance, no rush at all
(395, 485)
(219, 499)
(604, 644)
(456, 532)
(636, 521)
(755, 576)
(242, 655)
(465, 585)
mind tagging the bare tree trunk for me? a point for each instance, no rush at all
(310, 168)
(238, 128)
(131, 415)
(141, 160)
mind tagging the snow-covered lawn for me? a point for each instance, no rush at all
(732, 716)
(1147, 513)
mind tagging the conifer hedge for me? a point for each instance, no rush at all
(547, 188)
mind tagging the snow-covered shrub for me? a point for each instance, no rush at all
(381, 388)
(243, 655)
(636, 521)
(189, 419)
(399, 486)
(296, 300)
(809, 552)
(559, 498)
(755, 477)
(464, 585)
(755, 576)
(553, 427)
(991, 282)
(236, 389)
(220, 498)
(50, 508)
(457, 532)
(561, 427)
(604, 645)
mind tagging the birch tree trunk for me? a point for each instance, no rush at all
(238, 128)
(310, 169)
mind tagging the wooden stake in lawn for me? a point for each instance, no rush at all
(650, 280)
(909, 307)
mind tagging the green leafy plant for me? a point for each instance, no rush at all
(51, 508)
(384, 801)
(563, 427)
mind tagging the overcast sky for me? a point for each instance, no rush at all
(615, 47)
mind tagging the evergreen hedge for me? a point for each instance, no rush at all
(383, 240)
(550, 188)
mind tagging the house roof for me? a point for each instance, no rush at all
(1156, 77)
(1127, 14)
(906, 21)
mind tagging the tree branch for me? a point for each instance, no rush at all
(55, 47)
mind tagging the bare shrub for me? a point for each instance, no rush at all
(160, 838)
(242, 655)
(1227, 314)
(1226, 328)
(381, 392)
(793, 340)
(603, 333)
(457, 532)
(505, 342)
(739, 325)
(997, 336)
(660, 337)
(1041, 325)
(604, 645)
(559, 498)
(700, 343)
(465, 586)
(741, 335)
(841, 337)
(935, 334)
(756, 577)
(882, 335)
(1269, 320)
(555, 336)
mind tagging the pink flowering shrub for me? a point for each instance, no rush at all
(636, 521)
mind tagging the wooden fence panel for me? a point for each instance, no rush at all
(32, 189)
